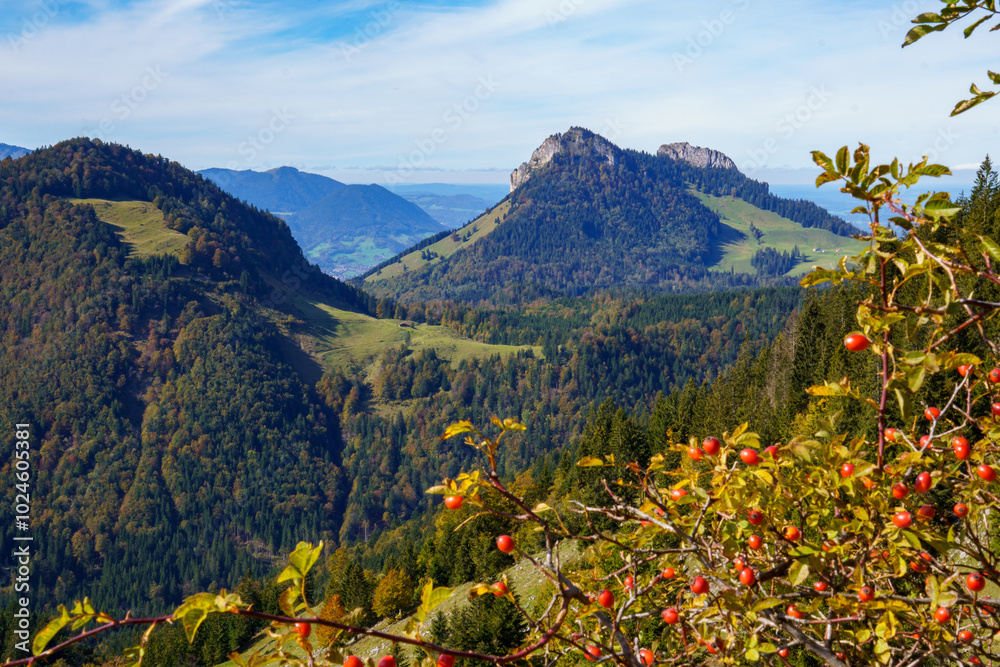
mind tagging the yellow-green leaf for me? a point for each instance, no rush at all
(456, 429)
(590, 462)
(43, 638)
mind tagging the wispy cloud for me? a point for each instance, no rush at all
(365, 82)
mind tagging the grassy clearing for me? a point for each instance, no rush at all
(140, 224)
(447, 246)
(738, 245)
(345, 340)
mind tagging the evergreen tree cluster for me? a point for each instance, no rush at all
(771, 262)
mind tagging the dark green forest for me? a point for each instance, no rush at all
(175, 449)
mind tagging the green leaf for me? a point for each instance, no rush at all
(843, 159)
(510, 424)
(752, 655)
(990, 247)
(798, 573)
(194, 611)
(43, 638)
(921, 30)
(430, 598)
(305, 556)
(968, 31)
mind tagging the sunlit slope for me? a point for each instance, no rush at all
(447, 246)
(345, 340)
(140, 224)
(737, 244)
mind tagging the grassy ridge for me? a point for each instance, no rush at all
(140, 224)
(737, 245)
(447, 246)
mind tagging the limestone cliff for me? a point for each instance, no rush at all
(577, 141)
(696, 156)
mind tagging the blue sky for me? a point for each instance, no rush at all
(463, 91)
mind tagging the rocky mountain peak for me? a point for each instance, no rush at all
(577, 140)
(696, 156)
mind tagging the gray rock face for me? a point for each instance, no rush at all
(577, 140)
(696, 156)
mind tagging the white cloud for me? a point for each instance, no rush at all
(370, 99)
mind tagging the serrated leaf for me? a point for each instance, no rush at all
(990, 247)
(542, 507)
(968, 31)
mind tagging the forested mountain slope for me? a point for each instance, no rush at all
(586, 215)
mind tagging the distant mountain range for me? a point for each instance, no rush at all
(6, 150)
(584, 214)
(345, 229)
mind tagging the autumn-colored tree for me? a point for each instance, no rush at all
(393, 594)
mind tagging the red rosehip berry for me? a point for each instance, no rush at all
(847, 470)
(902, 519)
(387, 661)
(961, 448)
(856, 343)
(711, 446)
(699, 585)
(755, 541)
(748, 577)
(606, 599)
(750, 457)
(942, 615)
(694, 453)
(986, 472)
(932, 414)
(900, 490)
(923, 483)
(303, 629)
(975, 582)
(961, 510)
(446, 661)
(755, 517)
(505, 544)
(453, 502)
(866, 594)
(670, 616)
